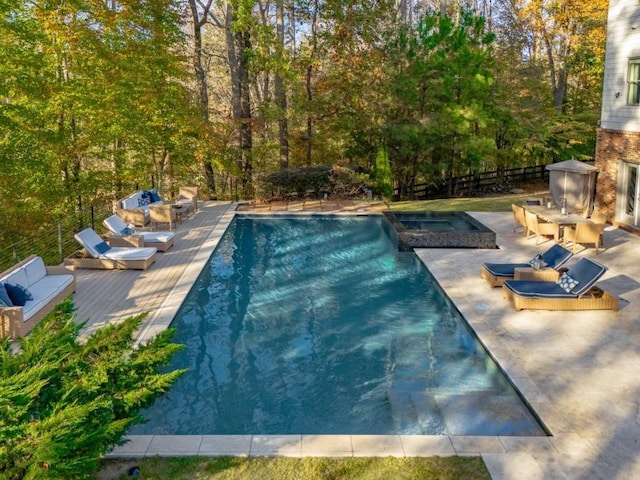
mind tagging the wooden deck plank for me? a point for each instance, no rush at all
(108, 296)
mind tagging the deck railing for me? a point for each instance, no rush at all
(54, 242)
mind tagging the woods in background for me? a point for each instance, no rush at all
(98, 96)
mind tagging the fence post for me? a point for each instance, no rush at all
(15, 255)
(60, 242)
(93, 222)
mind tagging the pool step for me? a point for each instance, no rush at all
(413, 410)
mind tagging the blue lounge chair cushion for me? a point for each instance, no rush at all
(526, 288)
(556, 256)
(587, 273)
(504, 269)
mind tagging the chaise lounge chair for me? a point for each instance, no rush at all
(574, 290)
(554, 257)
(98, 254)
(124, 237)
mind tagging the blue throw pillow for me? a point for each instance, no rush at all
(18, 294)
(4, 296)
(126, 231)
(102, 247)
(155, 196)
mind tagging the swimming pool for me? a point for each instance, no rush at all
(316, 324)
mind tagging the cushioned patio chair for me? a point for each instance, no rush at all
(574, 290)
(541, 229)
(98, 254)
(124, 236)
(163, 214)
(552, 260)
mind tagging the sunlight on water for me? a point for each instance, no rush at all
(318, 325)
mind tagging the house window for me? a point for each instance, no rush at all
(633, 80)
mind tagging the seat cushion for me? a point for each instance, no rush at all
(18, 276)
(157, 237)
(44, 291)
(586, 272)
(526, 288)
(504, 269)
(127, 253)
(556, 256)
(35, 270)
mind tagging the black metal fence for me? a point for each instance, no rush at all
(475, 183)
(54, 242)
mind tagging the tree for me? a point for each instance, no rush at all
(64, 403)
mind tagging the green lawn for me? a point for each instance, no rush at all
(479, 204)
(235, 468)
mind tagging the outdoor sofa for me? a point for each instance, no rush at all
(134, 208)
(552, 259)
(44, 288)
(574, 290)
(96, 253)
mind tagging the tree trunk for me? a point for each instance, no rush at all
(237, 44)
(280, 94)
(203, 87)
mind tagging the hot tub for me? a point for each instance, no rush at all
(439, 230)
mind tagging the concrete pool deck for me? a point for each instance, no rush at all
(579, 370)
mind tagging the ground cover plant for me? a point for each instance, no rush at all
(66, 402)
(234, 468)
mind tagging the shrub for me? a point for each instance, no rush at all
(64, 403)
(312, 181)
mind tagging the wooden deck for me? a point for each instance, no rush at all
(104, 297)
(109, 296)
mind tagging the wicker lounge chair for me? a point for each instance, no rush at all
(98, 254)
(123, 236)
(523, 294)
(497, 273)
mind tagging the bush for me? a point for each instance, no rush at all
(312, 181)
(64, 403)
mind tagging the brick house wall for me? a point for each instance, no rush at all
(613, 146)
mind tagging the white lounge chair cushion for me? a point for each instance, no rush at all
(156, 237)
(88, 238)
(117, 226)
(129, 253)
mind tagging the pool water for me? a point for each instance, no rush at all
(317, 324)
